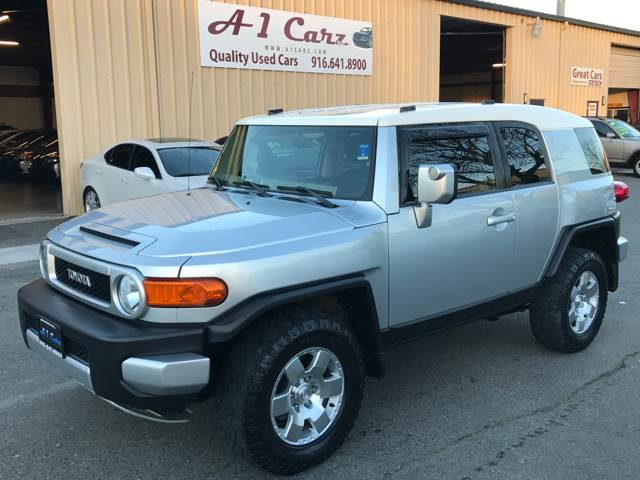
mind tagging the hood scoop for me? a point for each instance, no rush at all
(109, 236)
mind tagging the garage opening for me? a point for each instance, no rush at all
(624, 85)
(29, 154)
(471, 61)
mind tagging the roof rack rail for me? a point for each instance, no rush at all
(489, 101)
(407, 108)
(275, 111)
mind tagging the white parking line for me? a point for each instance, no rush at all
(23, 253)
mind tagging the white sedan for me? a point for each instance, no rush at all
(139, 168)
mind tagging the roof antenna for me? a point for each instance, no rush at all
(189, 138)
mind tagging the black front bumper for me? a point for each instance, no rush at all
(103, 342)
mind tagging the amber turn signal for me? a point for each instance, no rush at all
(188, 292)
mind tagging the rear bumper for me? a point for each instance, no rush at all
(131, 363)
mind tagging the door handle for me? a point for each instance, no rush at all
(98, 171)
(501, 218)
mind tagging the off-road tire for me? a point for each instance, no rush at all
(250, 370)
(549, 315)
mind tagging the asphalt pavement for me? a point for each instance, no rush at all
(483, 401)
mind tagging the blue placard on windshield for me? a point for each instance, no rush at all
(363, 151)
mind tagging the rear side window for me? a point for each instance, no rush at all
(523, 152)
(468, 149)
(593, 150)
(120, 156)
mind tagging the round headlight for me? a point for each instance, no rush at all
(129, 295)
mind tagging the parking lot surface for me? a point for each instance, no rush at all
(484, 401)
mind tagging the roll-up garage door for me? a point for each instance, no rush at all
(624, 68)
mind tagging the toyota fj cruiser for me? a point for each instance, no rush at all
(323, 238)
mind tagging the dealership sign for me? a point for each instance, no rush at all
(237, 36)
(590, 77)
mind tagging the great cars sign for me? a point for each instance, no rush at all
(590, 77)
(237, 36)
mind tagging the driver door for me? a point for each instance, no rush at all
(466, 256)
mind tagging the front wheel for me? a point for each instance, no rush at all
(568, 310)
(290, 392)
(635, 165)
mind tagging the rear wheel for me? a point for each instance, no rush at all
(91, 200)
(568, 310)
(290, 392)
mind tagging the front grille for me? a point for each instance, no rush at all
(99, 287)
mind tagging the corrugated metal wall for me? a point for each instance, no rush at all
(123, 68)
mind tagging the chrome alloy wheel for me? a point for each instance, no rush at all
(583, 305)
(307, 396)
(91, 201)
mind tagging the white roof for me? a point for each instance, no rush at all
(389, 115)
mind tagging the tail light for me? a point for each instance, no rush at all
(620, 191)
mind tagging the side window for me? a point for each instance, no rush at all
(593, 150)
(524, 155)
(144, 158)
(601, 129)
(469, 150)
(120, 156)
(107, 155)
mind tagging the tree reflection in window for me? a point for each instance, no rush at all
(470, 154)
(524, 155)
(593, 150)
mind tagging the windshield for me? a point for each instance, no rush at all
(335, 161)
(176, 160)
(622, 128)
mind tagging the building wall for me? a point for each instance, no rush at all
(20, 99)
(125, 68)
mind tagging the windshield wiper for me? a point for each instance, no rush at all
(317, 194)
(260, 191)
(217, 182)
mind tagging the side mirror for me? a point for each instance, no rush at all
(437, 183)
(611, 135)
(145, 173)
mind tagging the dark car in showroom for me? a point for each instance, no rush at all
(12, 149)
(363, 38)
(41, 160)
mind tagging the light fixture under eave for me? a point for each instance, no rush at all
(8, 43)
(536, 27)
(498, 65)
(4, 18)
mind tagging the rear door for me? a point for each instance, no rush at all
(536, 199)
(465, 258)
(116, 173)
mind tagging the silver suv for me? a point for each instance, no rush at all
(621, 142)
(322, 239)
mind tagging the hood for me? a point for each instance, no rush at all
(205, 221)
(194, 181)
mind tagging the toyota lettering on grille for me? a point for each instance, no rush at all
(79, 277)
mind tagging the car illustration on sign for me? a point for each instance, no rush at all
(363, 38)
